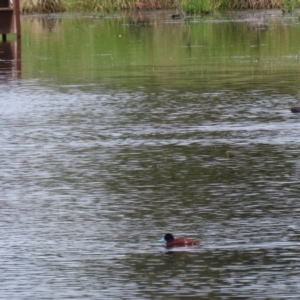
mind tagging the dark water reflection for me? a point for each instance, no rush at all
(93, 174)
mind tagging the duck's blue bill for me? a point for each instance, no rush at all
(162, 239)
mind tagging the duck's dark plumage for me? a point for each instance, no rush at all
(295, 109)
(179, 242)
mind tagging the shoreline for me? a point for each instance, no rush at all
(182, 7)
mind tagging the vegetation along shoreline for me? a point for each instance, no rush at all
(187, 6)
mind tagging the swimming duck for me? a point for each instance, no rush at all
(295, 109)
(179, 242)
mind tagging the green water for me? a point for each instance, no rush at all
(239, 50)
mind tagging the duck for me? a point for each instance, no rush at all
(178, 242)
(295, 109)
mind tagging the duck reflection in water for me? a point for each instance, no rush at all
(171, 242)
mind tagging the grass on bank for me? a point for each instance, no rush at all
(189, 6)
(42, 6)
(50, 6)
(202, 6)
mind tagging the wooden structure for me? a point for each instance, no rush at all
(10, 60)
(10, 18)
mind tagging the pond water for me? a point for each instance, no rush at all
(118, 129)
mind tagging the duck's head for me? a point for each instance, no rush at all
(168, 238)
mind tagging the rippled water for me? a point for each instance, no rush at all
(93, 175)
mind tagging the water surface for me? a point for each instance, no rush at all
(119, 129)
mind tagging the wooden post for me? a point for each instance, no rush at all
(10, 51)
(10, 18)
(17, 18)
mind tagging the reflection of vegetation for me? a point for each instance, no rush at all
(190, 6)
(150, 51)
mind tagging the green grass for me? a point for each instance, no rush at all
(290, 5)
(200, 6)
(189, 6)
(42, 6)
(98, 5)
